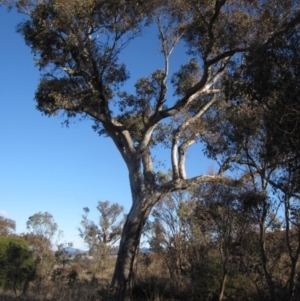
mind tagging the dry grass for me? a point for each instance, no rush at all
(80, 281)
(83, 281)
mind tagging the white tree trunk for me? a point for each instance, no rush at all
(129, 243)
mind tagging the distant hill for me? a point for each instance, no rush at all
(145, 250)
(73, 251)
(114, 251)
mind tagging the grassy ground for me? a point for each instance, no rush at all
(89, 281)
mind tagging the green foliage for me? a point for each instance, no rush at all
(102, 236)
(78, 23)
(42, 236)
(108, 230)
(16, 261)
(42, 224)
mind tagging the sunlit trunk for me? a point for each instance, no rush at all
(123, 274)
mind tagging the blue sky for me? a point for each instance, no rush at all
(45, 166)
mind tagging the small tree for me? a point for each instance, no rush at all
(229, 224)
(17, 266)
(7, 226)
(169, 232)
(101, 236)
(43, 235)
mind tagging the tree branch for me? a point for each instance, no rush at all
(218, 6)
(182, 153)
(176, 136)
(182, 184)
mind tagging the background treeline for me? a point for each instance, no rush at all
(217, 241)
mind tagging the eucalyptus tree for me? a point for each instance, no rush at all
(102, 236)
(269, 78)
(77, 45)
(245, 135)
(7, 226)
(230, 224)
(170, 233)
(240, 138)
(291, 229)
(42, 236)
(269, 81)
(109, 228)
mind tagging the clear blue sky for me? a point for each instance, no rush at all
(45, 166)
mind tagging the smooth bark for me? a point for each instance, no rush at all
(132, 231)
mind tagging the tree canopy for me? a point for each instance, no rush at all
(7, 226)
(17, 266)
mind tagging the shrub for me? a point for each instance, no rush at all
(17, 266)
